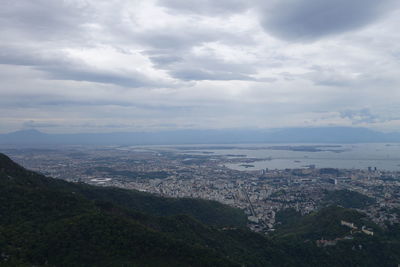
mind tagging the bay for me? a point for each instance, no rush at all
(281, 156)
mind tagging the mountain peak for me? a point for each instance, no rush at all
(28, 136)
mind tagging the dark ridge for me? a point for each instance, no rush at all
(7, 165)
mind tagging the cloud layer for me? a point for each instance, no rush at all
(303, 20)
(85, 65)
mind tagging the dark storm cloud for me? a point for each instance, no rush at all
(206, 7)
(304, 20)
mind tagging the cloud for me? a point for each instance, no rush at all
(44, 19)
(360, 116)
(367, 117)
(88, 74)
(199, 64)
(59, 65)
(199, 74)
(206, 7)
(33, 124)
(329, 76)
(308, 20)
(192, 67)
(208, 61)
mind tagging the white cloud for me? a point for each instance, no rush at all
(125, 65)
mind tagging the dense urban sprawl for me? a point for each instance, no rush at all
(185, 173)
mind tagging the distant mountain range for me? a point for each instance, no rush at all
(228, 136)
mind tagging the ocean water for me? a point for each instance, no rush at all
(348, 156)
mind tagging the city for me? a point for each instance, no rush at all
(180, 173)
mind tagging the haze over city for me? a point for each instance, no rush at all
(79, 66)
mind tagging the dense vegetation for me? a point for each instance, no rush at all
(324, 223)
(347, 199)
(382, 249)
(45, 221)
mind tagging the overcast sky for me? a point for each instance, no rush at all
(134, 65)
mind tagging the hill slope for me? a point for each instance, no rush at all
(45, 221)
(347, 199)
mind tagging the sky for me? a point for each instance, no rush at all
(70, 66)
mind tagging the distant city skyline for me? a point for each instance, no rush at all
(79, 66)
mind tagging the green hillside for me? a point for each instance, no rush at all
(208, 212)
(50, 222)
(45, 220)
(324, 223)
(347, 199)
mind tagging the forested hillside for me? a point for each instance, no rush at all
(50, 222)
